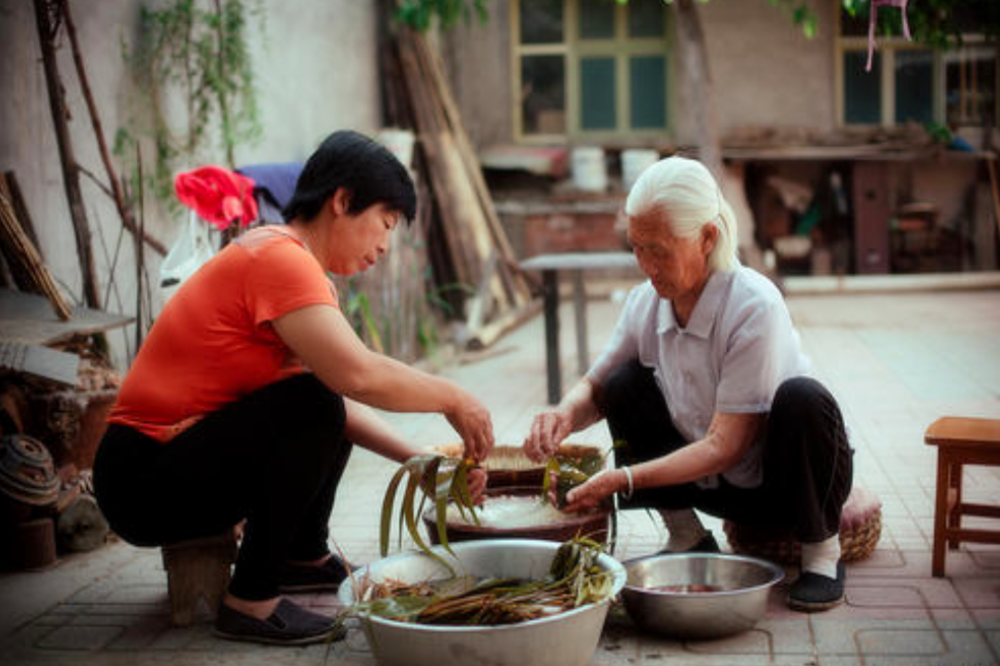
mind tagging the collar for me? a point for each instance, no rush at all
(705, 310)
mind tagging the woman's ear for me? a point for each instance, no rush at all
(709, 237)
(340, 202)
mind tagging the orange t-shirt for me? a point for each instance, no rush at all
(213, 342)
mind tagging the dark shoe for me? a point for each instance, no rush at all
(708, 544)
(289, 624)
(304, 578)
(813, 592)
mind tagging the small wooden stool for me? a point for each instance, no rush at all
(960, 441)
(198, 569)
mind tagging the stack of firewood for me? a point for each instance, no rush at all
(467, 243)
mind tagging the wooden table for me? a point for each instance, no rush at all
(576, 263)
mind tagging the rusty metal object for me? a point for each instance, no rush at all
(27, 472)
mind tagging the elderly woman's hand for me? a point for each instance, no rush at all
(471, 420)
(595, 490)
(548, 430)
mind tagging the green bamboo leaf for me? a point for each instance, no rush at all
(411, 524)
(387, 503)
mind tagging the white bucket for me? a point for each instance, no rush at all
(634, 162)
(590, 174)
(400, 143)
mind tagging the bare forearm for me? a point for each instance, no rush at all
(366, 428)
(580, 404)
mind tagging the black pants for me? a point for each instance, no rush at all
(807, 462)
(274, 457)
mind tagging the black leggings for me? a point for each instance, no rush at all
(273, 457)
(808, 466)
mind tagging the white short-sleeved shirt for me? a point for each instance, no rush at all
(738, 347)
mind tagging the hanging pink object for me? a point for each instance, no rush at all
(873, 19)
(218, 195)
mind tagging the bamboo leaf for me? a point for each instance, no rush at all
(387, 503)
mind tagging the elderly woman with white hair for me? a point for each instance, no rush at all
(704, 388)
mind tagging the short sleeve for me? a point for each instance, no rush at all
(284, 277)
(753, 362)
(623, 345)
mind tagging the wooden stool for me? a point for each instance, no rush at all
(960, 441)
(198, 569)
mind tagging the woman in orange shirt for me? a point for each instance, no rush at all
(219, 421)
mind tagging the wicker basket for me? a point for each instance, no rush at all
(509, 466)
(860, 529)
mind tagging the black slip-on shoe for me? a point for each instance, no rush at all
(289, 624)
(305, 578)
(708, 544)
(814, 592)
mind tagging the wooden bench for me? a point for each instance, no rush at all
(575, 263)
(960, 441)
(198, 569)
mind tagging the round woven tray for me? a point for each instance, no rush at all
(860, 529)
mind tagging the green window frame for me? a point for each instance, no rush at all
(614, 64)
(909, 82)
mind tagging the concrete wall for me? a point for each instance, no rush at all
(316, 70)
(765, 71)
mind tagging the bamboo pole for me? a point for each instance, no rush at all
(71, 173)
(128, 220)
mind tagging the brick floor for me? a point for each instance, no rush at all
(895, 362)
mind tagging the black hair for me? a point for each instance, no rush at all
(360, 165)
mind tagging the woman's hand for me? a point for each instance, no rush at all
(595, 490)
(477, 484)
(471, 420)
(548, 430)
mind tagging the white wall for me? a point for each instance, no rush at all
(316, 70)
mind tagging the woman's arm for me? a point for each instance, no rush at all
(366, 428)
(575, 412)
(326, 343)
(728, 438)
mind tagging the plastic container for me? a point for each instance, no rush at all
(634, 162)
(590, 173)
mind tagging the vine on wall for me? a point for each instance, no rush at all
(191, 64)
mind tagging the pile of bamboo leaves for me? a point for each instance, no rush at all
(575, 579)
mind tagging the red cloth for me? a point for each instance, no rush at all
(218, 195)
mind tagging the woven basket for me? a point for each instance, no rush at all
(860, 529)
(509, 466)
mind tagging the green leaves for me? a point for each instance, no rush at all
(439, 479)
(575, 579)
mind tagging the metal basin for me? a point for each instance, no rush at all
(566, 639)
(730, 593)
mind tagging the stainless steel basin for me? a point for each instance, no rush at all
(566, 639)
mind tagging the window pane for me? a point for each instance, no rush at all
(645, 18)
(543, 100)
(648, 91)
(597, 98)
(914, 86)
(862, 92)
(541, 21)
(970, 86)
(597, 19)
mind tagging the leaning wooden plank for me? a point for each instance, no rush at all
(511, 319)
(509, 270)
(20, 252)
(51, 364)
(29, 318)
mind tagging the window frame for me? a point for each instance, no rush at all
(621, 47)
(887, 48)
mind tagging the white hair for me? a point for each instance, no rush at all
(684, 192)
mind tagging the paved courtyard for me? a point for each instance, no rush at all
(895, 361)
